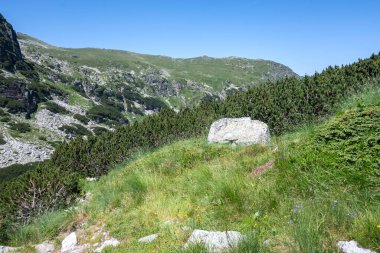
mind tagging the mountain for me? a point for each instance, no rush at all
(49, 94)
(10, 49)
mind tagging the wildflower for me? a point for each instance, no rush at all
(296, 207)
(335, 204)
(378, 226)
(352, 214)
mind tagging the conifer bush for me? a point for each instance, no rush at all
(283, 105)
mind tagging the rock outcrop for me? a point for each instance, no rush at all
(215, 241)
(352, 247)
(241, 131)
(10, 52)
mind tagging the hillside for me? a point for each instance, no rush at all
(318, 192)
(50, 94)
(330, 163)
(139, 176)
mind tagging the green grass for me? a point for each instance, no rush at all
(324, 188)
(47, 226)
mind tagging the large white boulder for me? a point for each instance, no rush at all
(241, 131)
(215, 241)
(352, 247)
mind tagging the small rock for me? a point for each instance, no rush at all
(45, 247)
(148, 239)
(5, 249)
(168, 222)
(108, 243)
(79, 248)
(352, 247)
(215, 241)
(69, 243)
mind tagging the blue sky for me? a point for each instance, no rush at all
(305, 35)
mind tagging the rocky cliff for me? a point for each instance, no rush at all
(10, 49)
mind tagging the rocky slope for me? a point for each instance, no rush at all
(53, 93)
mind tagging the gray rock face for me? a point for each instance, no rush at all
(241, 131)
(215, 241)
(44, 247)
(15, 151)
(9, 47)
(352, 247)
(148, 239)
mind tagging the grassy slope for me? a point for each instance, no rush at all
(309, 201)
(213, 71)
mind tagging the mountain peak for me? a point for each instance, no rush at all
(10, 52)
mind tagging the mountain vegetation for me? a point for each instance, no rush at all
(131, 155)
(282, 105)
(49, 85)
(312, 99)
(319, 191)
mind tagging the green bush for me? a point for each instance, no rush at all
(82, 118)
(55, 108)
(3, 101)
(16, 106)
(42, 138)
(75, 130)
(103, 113)
(5, 119)
(35, 192)
(43, 91)
(342, 153)
(2, 141)
(3, 113)
(99, 130)
(153, 103)
(283, 105)
(20, 127)
(15, 170)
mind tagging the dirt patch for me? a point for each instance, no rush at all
(261, 169)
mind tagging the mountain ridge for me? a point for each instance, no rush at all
(26, 36)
